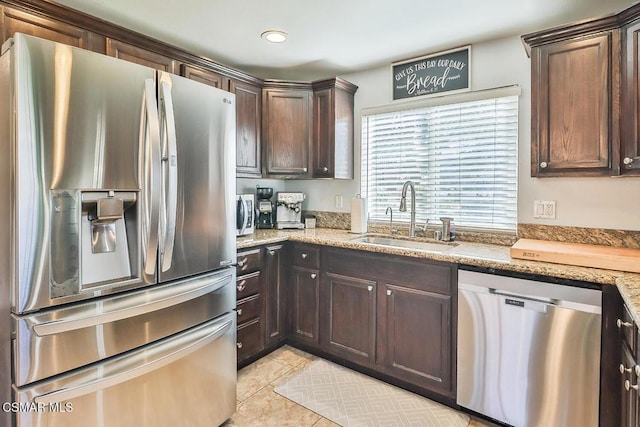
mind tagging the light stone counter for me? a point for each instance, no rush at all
(465, 253)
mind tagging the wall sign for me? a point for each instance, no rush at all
(432, 74)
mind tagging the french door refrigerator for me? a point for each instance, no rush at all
(117, 242)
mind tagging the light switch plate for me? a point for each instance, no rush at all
(545, 209)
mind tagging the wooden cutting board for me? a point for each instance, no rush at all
(597, 256)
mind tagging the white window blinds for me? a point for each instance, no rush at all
(462, 159)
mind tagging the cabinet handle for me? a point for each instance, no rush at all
(239, 312)
(388, 292)
(240, 287)
(622, 324)
(304, 169)
(628, 386)
(325, 169)
(627, 160)
(242, 262)
(314, 275)
(239, 344)
(370, 288)
(271, 252)
(304, 256)
(543, 165)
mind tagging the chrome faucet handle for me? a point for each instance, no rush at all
(390, 210)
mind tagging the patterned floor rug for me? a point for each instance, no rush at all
(352, 399)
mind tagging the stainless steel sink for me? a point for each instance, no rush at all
(432, 246)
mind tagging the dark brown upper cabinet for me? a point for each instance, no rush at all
(207, 77)
(286, 129)
(332, 150)
(141, 56)
(17, 21)
(573, 132)
(630, 95)
(248, 128)
(585, 97)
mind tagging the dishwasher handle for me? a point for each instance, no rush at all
(525, 302)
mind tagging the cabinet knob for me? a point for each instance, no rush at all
(239, 344)
(242, 262)
(543, 165)
(623, 369)
(370, 288)
(622, 324)
(304, 256)
(325, 169)
(240, 286)
(271, 252)
(628, 386)
(239, 312)
(627, 160)
(314, 275)
(304, 169)
(388, 291)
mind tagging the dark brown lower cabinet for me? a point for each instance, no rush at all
(414, 340)
(394, 315)
(275, 283)
(305, 292)
(351, 318)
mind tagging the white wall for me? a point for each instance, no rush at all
(581, 202)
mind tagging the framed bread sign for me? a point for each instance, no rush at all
(432, 75)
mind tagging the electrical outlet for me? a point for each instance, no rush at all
(545, 209)
(339, 201)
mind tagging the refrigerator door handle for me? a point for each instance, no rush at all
(150, 165)
(143, 362)
(170, 178)
(134, 308)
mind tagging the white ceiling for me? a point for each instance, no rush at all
(332, 37)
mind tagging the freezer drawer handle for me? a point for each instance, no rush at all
(202, 337)
(59, 326)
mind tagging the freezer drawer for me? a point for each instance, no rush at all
(188, 379)
(55, 341)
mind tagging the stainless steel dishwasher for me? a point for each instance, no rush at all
(528, 351)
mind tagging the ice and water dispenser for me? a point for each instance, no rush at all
(94, 240)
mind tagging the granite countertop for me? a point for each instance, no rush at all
(474, 254)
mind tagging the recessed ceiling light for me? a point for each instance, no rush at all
(274, 36)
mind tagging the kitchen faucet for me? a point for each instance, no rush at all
(403, 206)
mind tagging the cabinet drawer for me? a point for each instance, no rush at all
(249, 261)
(424, 276)
(306, 256)
(249, 339)
(247, 285)
(248, 308)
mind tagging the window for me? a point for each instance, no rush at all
(461, 157)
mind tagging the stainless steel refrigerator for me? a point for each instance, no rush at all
(117, 242)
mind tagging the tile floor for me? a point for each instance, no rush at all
(260, 406)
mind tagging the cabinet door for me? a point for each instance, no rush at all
(414, 338)
(141, 56)
(287, 133)
(205, 76)
(248, 129)
(571, 118)
(323, 133)
(630, 138)
(305, 285)
(350, 324)
(16, 21)
(275, 281)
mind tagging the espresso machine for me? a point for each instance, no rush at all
(265, 207)
(289, 210)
